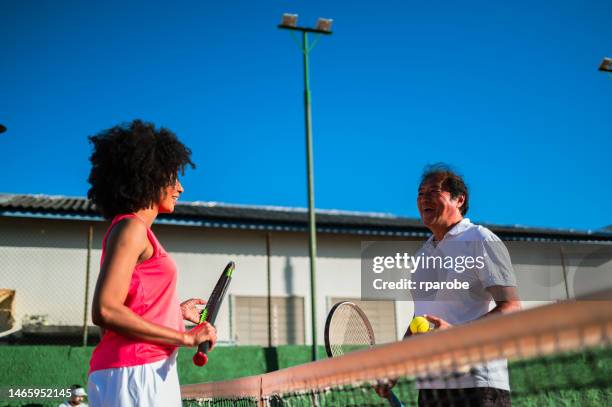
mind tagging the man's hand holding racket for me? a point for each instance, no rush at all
(384, 390)
(418, 326)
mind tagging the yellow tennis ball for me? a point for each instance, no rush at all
(419, 325)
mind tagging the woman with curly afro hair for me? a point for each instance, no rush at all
(134, 177)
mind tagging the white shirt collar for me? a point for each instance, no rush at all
(459, 228)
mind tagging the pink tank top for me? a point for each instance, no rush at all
(152, 295)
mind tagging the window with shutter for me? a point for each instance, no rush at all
(286, 320)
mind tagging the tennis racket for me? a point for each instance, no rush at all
(348, 329)
(210, 311)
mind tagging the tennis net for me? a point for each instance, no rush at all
(557, 355)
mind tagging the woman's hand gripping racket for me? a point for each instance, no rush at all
(347, 329)
(209, 313)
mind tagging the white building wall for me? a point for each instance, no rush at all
(44, 260)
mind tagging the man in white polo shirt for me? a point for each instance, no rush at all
(443, 202)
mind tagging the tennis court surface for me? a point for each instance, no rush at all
(558, 355)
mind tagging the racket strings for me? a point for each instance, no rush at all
(349, 331)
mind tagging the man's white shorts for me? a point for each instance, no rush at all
(152, 384)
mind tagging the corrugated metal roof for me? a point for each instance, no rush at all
(273, 218)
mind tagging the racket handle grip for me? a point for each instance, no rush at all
(394, 401)
(201, 357)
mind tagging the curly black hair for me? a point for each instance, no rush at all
(131, 164)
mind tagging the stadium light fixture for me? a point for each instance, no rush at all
(324, 25)
(289, 20)
(606, 65)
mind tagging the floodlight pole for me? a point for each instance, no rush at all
(312, 228)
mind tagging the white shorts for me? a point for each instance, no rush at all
(152, 384)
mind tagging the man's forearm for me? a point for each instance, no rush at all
(504, 307)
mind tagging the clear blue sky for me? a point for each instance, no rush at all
(507, 92)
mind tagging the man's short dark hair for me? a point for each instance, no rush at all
(451, 182)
